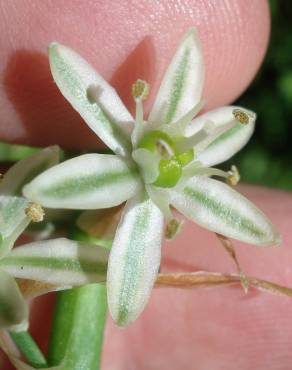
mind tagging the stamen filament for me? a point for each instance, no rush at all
(195, 169)
(177, 129)
(191, 141)
(140, 91)
(210, 171)
(139, 112)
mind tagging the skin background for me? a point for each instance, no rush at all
(203, 329)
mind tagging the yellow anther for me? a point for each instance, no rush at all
(241, 116)
(233, 177)
(173, 228)
(140, 89)
(35, 212)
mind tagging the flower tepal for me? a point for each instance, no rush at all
(162, 162)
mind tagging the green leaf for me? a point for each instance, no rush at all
(182, 84)
(90, 181)
(16, 152)
(219, 208)
(134, 259)
(60, 262)
(107, 117)
(13, 309)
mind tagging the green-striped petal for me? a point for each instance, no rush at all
(182, 84)
(134, 259)
(60, 262)
(13, 309)
(90, 181)
(13, 220)
(221, 146)
(107, 117)
(12, 205)
(219, 208)
(26, 169)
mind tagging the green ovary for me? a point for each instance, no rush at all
(186, 157)
(171, 163)
(170, 171)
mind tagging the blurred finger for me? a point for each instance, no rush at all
(124, 41)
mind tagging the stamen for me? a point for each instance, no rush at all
(35, 212)
(164, 149)
(140, 90)
(196, 169)
(177, 129)
(173, 228)
(241, 116)
(233, 176)
(191, 141)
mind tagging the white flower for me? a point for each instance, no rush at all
(59, 263)
(157, 163)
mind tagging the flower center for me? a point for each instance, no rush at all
(171, 161)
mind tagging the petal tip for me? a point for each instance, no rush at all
(277, 241)
(192, 32)
(53, 46)
(273, 240)
(124, 317)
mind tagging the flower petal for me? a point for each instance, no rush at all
(182, 84)
(26, 169)
(134, 259)
(59, 262)
(220, 147)
(160, 197)
(148, 163)
(219, 208)
(100, 224)
(13, 219)
(107, 117)
(90, 181)
(13, 309)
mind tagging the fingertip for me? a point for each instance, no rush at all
(124, 41)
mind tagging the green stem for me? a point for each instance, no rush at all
(78, 326)
(15, 152)
(29, 349)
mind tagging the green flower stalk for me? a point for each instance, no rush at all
(162, 162)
